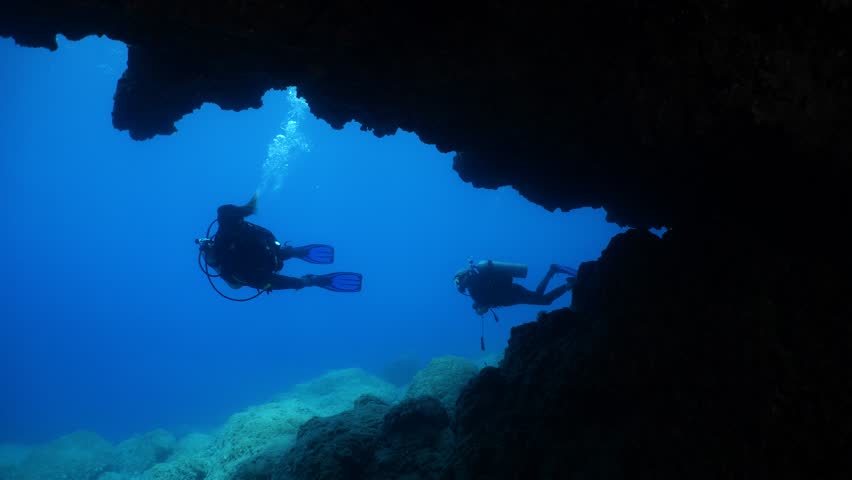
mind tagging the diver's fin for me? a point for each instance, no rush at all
(556, 268)
(316, 253)
(343, 282)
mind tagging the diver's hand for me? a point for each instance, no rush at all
(571, 282)
(480, 309)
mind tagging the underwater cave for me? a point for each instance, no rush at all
(719, 348)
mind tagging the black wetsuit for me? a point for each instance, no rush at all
(489, 288)
(248, 254)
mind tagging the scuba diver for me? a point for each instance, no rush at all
(245, 254)
(490, 285)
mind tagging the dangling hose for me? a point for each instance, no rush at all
(482, 325)
(482, 336)
(205, 269)
(481, 317)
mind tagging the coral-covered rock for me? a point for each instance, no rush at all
(250, 436)
(368, 399)
(141, 452)
(252, 441)
(193, 444)
(192, 459)
(182, 467)
(442, 379)
(114, 476)
(334, 391)
(418, 420)
(80, 455)
(337, 447)
(373, 440)
(416, 442)
(11, 455)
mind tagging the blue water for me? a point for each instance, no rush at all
(106, 322)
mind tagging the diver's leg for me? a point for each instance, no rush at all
(556, 293)
(286, 252)
(520, 295)
(275, 282)
(313, 253)
(283, 282)
(542, 285)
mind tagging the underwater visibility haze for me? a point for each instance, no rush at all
(108, 324)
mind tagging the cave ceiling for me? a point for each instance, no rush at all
(666, 113)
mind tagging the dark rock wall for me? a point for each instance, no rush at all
(664, 112)
(728, 371)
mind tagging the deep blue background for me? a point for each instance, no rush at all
(106, 322)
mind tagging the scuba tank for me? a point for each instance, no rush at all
(517, 270)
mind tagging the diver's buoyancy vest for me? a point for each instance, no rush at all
(249, 248)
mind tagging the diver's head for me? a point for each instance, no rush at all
(461, 279)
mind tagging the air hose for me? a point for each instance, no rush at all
(205, 269)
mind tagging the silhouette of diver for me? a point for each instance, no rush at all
(490, 284)
(245, 254)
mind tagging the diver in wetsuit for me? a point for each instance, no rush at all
(490, 284)
(245, 254)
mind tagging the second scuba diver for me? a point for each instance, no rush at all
(245, 254)
(490, 284)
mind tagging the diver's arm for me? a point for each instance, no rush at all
(233, 213)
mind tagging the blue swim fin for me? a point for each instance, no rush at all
(316, 253)
(564, 269)
(343, 282)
